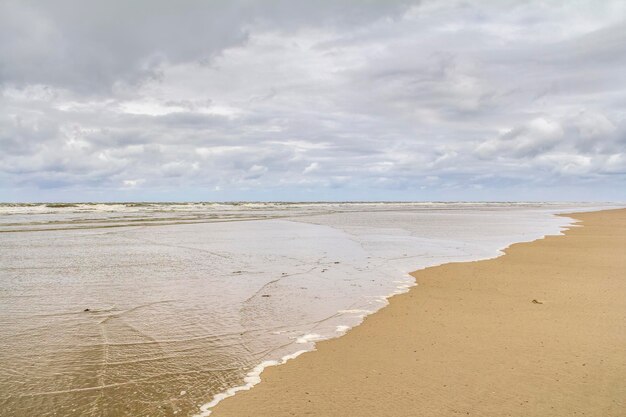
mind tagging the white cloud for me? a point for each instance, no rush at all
(132, 183)
(312, 167)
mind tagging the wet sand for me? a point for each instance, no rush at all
(540, 331)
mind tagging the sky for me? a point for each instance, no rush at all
(335, 100)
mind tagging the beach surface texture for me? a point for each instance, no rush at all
(540, 331)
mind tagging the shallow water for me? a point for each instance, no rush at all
(154, 309)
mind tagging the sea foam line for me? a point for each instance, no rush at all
(251, 379)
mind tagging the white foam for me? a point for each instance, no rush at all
(310, 337)
(252, 378)
(354, 311)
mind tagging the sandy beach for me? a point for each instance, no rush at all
(540, 331)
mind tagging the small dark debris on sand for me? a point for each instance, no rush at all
(535, 301)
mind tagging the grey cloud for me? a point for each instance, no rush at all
(536, 137)
(91, 46)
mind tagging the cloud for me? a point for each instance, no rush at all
(312, 167)
(331, 99)
(96, 47)
(535, 137)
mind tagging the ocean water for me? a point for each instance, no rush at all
(165, 309)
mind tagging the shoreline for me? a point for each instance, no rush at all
(279, 394)
(253, 377)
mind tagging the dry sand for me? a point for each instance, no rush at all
(469, 340)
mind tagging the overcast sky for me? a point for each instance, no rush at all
(312, 100)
